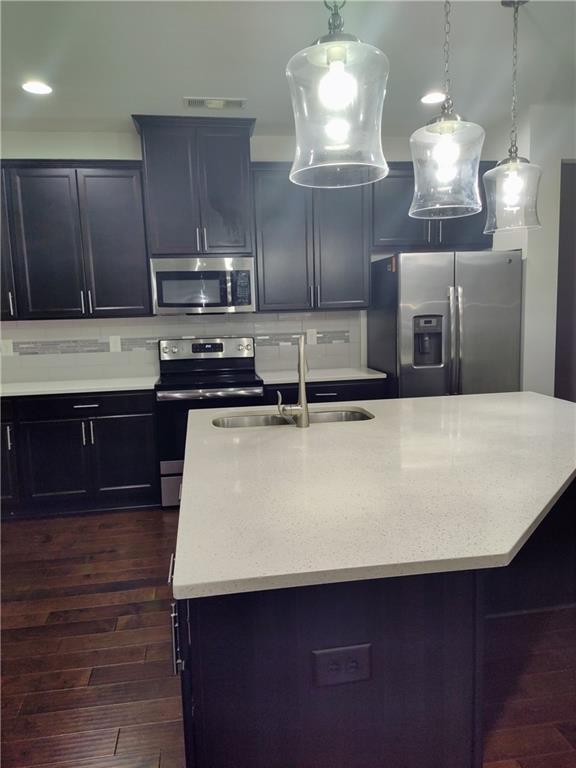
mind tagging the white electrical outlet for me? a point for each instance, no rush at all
(311, 336)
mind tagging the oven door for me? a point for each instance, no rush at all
(202, 286)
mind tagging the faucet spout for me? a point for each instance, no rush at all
(298, 413)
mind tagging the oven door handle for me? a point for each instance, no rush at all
(206, 394)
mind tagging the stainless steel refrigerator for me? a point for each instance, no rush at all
(447, 323)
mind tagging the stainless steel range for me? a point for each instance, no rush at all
(198, 373)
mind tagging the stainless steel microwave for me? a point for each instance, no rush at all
(189, 286)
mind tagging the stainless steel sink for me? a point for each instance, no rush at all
(324, 416)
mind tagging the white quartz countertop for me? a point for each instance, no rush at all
(78, 386)
(429, 485)
(321, 374)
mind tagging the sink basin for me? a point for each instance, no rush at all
(324, 416)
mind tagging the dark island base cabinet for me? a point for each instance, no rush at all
(87, 453)
(257, 694)
(271, 675)
(9, 489)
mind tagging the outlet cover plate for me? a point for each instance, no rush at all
(349, 664)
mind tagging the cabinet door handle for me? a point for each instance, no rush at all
(91, 310)
(205, 234)
(83, 433)
(171, 569)
(9, 437)
(11, 304)
(311, 295)
(318, 295)
(88, 405)
(82, 302)
(198, 248)
(92, 432)
(440, 230)
(429, 231)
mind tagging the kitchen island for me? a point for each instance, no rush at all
(329, 580)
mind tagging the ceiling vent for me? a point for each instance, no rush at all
(213, 102)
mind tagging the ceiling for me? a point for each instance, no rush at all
(107, 60)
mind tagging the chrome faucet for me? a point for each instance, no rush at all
(297, 413)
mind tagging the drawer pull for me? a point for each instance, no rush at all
(9, 437)
(90, 405)
(325, 394)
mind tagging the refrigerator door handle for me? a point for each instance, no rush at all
(460, 292)
(453, 344)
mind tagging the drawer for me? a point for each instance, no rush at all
(83, 406)
(333, 392)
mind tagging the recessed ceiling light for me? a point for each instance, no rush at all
(37, 87)
(434, 97)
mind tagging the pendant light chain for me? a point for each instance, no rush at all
(513, 151)
(446, 48)
(335, 22)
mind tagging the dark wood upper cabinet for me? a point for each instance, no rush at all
(172, 204)
(224, 189)
(48, 247)
(467, 231)
(341, 248)
(393, 229)
(8, 307)
(112, 218)
(391, 225)
(284, 247)
(197, 184)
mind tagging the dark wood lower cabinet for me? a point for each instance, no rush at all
(73, 464)
(55, 463)
(264, 698)
(9, 486)
(124, 460)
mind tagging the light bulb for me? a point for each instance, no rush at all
(37, 87)
(512, 187)
(445, 154)
(337, 129)
(338, 88)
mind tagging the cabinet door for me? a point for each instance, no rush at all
(48, 247)
(224, 189)
(8, 294)
(341, 252)
(9, 473)
(172, 208)
(115, 257)
(55, 468)
(467, 231)
(392, 227)
(284, 244)
(125, 467)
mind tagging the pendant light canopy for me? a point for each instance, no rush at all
(337, 87)
(512, 187)
(446, 156)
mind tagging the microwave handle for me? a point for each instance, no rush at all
(229, 288)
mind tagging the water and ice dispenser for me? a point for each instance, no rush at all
(427, 340)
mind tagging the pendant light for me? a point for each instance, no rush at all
(512, 187)
(446, 156)
(337, 87)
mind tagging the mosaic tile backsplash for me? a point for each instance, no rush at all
(55, 350)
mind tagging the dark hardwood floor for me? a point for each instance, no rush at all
(86, 669)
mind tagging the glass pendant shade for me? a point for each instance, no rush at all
(446, 157)
(337, 87)
(512, 195)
